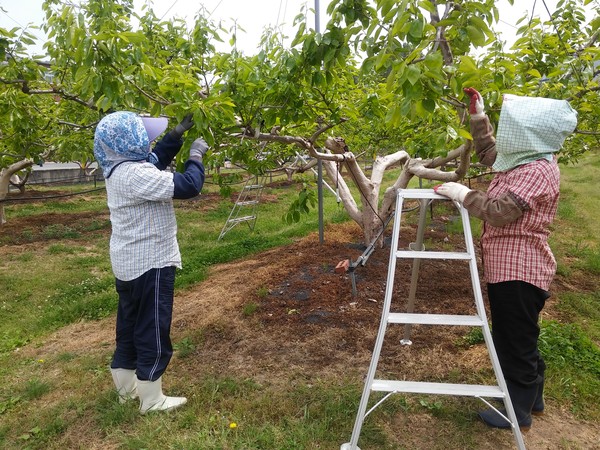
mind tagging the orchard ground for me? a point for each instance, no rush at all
(285, 316)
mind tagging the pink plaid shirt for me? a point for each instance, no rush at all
(520, 250)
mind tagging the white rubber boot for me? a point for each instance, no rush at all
(126, 382)
(153, 399)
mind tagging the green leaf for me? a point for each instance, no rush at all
(434, 61)
(429, 105)
(465, 134)
(476, 35)
(413, 74)
(386, 6)
(416, 29)
(467, 65)
(534, 73)
(134, 38)
(478, 23)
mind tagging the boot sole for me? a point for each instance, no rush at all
(504, 425)
(158, 408)
(523, 428)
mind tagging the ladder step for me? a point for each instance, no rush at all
(435, 319)
(432, 255)
(421, 387)
(247, 202)
(420, 193)
(253, 186)
(241, 219)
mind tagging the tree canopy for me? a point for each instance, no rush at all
(386, 75)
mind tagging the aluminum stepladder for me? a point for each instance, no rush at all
(245, 208)
(417, 253)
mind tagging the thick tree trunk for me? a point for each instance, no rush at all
(5, 175)
(369, 216)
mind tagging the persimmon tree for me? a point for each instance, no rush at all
(386, 77)
(99, 62)
(422, 54)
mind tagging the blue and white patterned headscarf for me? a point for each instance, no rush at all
(531, 128)
(120, 137)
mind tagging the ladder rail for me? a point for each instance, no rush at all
(389, 289)
(253, 187)
(393, 386)
(487, 335)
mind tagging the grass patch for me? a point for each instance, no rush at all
(53, 284)
(249, 309)
(185, 347)
(59, 231)
(582, 308)
(35, 389)
(573, 367)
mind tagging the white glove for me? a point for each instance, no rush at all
(454, 191)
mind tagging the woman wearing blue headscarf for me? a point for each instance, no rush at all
(144, 251)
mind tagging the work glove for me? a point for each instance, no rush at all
(182, 127)
(198, 149)
(476, 104)
(454, 191)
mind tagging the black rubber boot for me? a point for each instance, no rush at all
(538, 404)
(523, 398)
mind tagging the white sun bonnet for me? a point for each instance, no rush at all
(155, 126)
(531, 128)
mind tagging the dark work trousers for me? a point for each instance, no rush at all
(144, 323)
(515, 308)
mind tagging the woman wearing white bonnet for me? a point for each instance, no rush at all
(517, 210)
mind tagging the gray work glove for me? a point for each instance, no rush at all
(198, 149)
(182, 126)
(454, 191)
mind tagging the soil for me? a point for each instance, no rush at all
(286, 315)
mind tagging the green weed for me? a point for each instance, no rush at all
(249, 309)
(35, 389)
(591, 261)
(262, 291)
(185, 347)
(566, 209)
(60, 248)
(473, 337)
(91, 299)
(25, 257)
(59, 231)
(9, 403)
(565, 345)
(582, 308)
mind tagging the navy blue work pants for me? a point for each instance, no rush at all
(143, 326)
(515, 308)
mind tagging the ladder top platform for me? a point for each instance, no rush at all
(420, 193)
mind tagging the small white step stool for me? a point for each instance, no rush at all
(417, 253)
